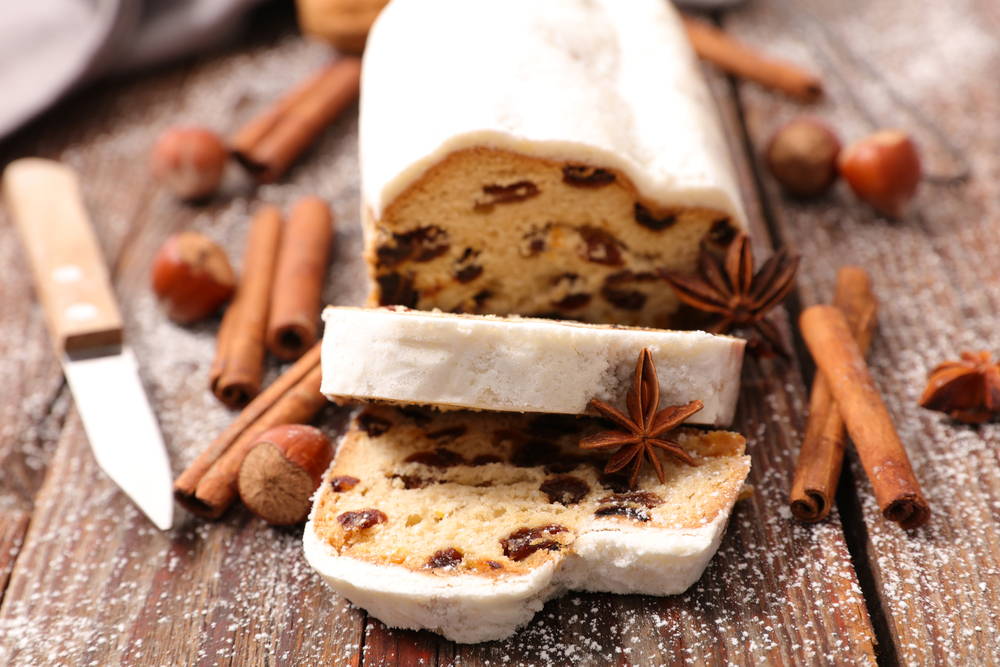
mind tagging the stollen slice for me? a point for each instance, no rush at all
(465, 523)
(514, 364)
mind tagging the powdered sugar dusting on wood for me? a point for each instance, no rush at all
(935, 274)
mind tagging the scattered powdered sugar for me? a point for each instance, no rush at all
(935, 274)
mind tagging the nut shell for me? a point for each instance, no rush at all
(282, 470)
(883, 169)
(802, 156)
(190, 161)
(192, 277)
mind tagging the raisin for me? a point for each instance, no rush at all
(445, 558)
(627, 511)
(421, 245)
(645, 498)
(616, 294)
(412, 481)
(373, 425)
(361, 519)
(396, 290)
(389, 256)
(645, 218)
(468, 273)
(534, 242)
(722, 232)
(525, 541)
(344, 483)
(580, 175)
(573, 301)
(505, 194)
(493, 565)
(417, 415)
(631, 504)
(565, 489)
(601, 246)
(448, 433)
(617, 482)
(439, 458)
(484, 459)
(626, 299)
(481, 296)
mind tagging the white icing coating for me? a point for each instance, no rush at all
(469, 609)
(610, 83)
(520, 365)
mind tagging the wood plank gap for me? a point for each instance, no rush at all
(13, 527)
(856, 536)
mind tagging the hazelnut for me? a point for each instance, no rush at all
(189, 161)
(883, 169)
(192, 277)
(802, 155)
(282, 470)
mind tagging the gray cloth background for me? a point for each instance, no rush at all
(49, 47)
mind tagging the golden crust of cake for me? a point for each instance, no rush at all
(498, 495)
(491, 231)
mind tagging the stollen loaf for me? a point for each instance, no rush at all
(539, 158)
(465, 523)
(519, 364)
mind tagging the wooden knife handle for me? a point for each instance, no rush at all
(70, 275)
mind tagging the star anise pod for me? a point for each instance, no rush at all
(644, 427)
(728, 288)
(967, 390)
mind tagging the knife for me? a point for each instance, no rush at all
(86, 329)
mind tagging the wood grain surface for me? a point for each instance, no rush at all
(85, 579)
(919, 66)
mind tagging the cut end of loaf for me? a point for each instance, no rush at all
(492, 231)
(465, 523)
(504, 492)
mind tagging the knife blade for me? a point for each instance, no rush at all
(86, 329)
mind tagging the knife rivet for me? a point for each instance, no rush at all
(80, 311)
(67, 273)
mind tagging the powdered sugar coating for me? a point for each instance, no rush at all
(600, 82)
(520, 365)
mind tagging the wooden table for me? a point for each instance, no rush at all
(85, 579)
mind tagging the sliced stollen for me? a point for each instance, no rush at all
(519, 364)
(465, 523)
(571, 154)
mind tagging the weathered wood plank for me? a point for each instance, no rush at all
(95, 583)
(935, 273)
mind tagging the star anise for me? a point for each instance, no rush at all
(967, 390)
(728, 287)
(644, 427)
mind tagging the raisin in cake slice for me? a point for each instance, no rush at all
(465, 523)
(567, 157)
(518, 364)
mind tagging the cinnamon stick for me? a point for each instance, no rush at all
(271, 141)
(822, 453)
(296, 297)
(238, 367)
(208, 486)
(839, 358)
(739, 59)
